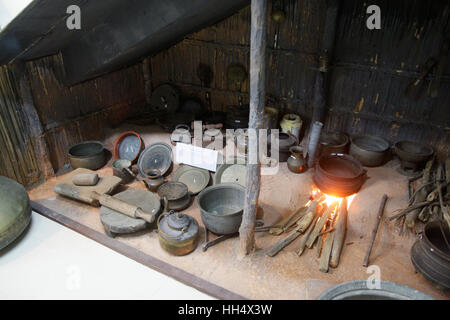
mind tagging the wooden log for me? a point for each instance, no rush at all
(257, 103)
(375, 230)
(326, 251)
(319, 226)
(339, 234)
(411, 217)
(305, 237)
(302, 225)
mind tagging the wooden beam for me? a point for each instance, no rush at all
(257, 101)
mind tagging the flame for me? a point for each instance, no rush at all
(329, 199)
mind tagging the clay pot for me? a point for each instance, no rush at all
(153, 179)
(339, 175)
(296, 162)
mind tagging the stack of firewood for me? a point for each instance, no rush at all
(320, 225)
(429, 197)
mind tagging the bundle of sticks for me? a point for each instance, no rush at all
(429, 197)
(320, 225)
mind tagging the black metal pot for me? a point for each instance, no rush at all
(431, 256)
(87, 154)
(339, 174)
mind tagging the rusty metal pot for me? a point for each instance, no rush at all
(430, 254)
(177, 233)
(339, 174)
(87, 154)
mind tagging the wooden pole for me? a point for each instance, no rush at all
(257, 101)
(375, 230)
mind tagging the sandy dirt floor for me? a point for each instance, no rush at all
(285, 276)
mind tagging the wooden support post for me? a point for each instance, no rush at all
(257, 101)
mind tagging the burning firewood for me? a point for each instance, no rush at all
(301, 226)
(339, 236)
(319, 225)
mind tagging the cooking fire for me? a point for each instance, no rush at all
(323, 223)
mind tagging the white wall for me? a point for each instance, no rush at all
(10, 9)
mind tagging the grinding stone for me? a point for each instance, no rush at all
(116, 222)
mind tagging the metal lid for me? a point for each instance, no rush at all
(157, 156)
(195, 179)
(178, 221)
(235, 172)
(177, 227)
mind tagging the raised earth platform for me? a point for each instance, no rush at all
(221, 273)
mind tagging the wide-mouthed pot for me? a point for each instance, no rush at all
(339, 175)
(412, 154)
(87, 154)
(221, 207)
(430, 254)
(371, 151)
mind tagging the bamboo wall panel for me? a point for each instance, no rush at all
(71, 114)
(17, 158)
(370, 71)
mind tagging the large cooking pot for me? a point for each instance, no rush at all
(431, 256)
(221, 207)
(87, 154)
(371, 151)
(339, 174)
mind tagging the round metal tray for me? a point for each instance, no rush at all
(157, 156)
(195, 179)
(234, 172)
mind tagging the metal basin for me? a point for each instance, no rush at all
(339, 174)
(221, 207)
(87, 154)
(371, 151)
(359, 290)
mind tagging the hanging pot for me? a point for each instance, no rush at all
(177, 233)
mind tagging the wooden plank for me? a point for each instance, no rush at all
(138, 256)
